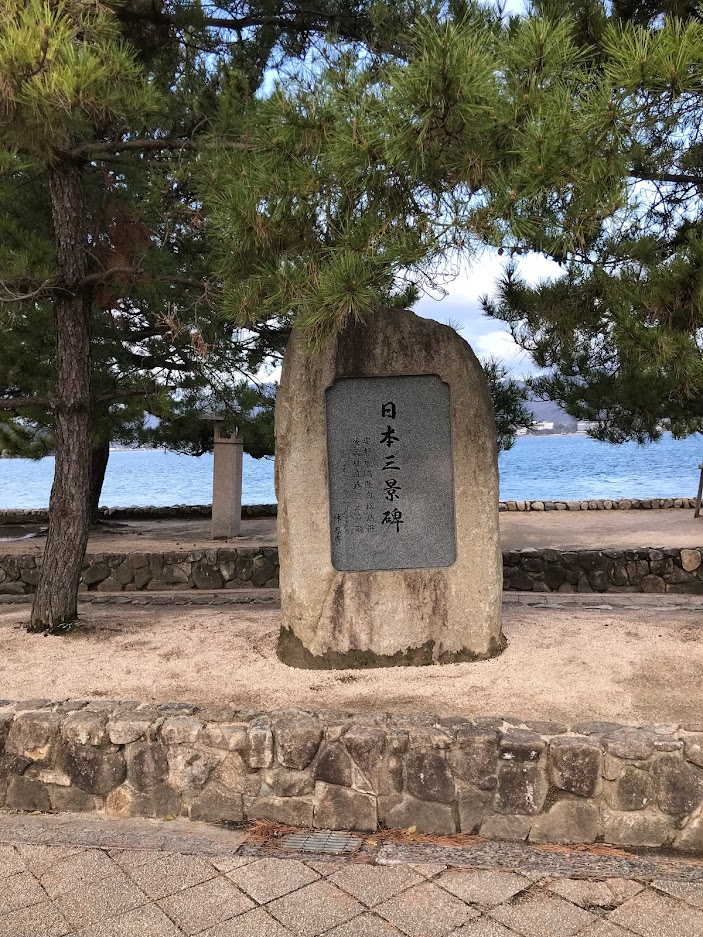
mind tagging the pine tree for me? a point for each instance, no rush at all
(64, 70)
(574, 132)
(618, 335)
(103, 112)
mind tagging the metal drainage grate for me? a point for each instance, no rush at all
(324, 841)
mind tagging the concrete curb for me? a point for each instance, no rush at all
(271, 598)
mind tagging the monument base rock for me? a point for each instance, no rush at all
(387, 484)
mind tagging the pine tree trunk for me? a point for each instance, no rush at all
(55, 602)
(99, 456)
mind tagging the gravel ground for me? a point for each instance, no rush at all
(565, 664)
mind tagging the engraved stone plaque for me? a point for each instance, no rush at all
(391, 476)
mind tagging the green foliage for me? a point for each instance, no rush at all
(185, 430)
(510, 408)
(620, 349)
(619, 334)
(76, 73)
(64, 68)
(361, 181)
(310, 225)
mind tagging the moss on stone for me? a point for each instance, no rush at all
(291, 651)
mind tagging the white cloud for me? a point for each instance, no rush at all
(501, 345)
(462, 306)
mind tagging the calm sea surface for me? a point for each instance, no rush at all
(550, 467)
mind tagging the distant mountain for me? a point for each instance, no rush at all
(544, 411)
(547, 411)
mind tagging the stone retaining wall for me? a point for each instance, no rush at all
(669, 570)
(608, 504)
(40, 515)
(656, 570)
(155, 572)
(493, 776)
(186, 511)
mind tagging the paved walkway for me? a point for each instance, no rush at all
(94, 878)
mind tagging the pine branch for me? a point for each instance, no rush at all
(142, 334)
(204, 285)
(95, 150)
(683, 178)
(135, 392)
(146, 362)
(317, 19)
(22, 403)
(14, 296)
(101, 275)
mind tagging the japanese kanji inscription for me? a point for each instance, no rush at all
(391, 480)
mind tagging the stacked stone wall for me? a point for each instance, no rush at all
(594, 782)
(600, 504)
(138, 513)
(154, 572)
(194, 511)
(670, 570)
(665, 570)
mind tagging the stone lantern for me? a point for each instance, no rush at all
(226, 481)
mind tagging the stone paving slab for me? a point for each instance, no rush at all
(75, 830)
(62, 876)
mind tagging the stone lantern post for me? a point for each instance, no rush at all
(226, 481)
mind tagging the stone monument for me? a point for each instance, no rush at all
(387, 484)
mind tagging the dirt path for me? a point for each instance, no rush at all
(561, 530)
(565, 664)
(157, 536)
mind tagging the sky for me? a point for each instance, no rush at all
(461, 306)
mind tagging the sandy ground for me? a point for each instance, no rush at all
(631, 666)
(157, 536)
(584, 530)
(565, 530)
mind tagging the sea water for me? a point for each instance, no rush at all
(537, 467)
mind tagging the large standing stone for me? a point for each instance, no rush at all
(387, 483)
